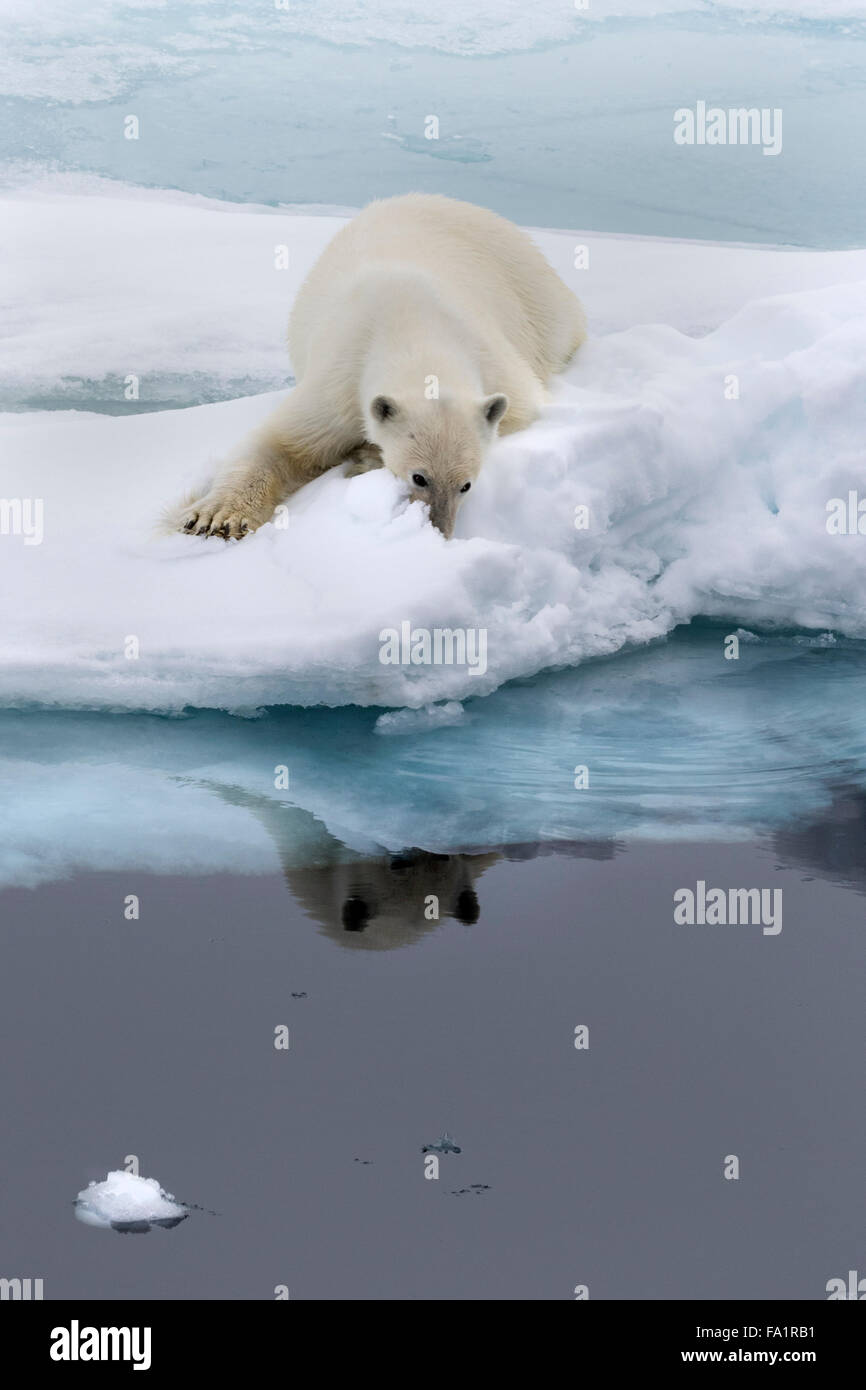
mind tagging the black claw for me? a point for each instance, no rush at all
(189, 525)
(202, 531)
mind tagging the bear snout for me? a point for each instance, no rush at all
(443, 512)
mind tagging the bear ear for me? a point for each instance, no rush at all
(494, 407)
(384, 408)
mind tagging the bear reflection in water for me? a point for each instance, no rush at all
(378, 901)
(363, 903)
(387, 901)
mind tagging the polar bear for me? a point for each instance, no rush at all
(426, 326)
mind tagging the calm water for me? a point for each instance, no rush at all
(602, 1166)
(567, 133)
(676, 743)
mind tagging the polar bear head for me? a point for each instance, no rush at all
(436, 447)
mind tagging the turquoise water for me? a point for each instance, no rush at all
(560, 133)
(676, 741)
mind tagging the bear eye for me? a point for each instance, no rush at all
(466, 487)
(419, 480)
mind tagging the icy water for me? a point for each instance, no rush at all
(672, 741)
(601, 1167)
(547, 116)
(148, 1036)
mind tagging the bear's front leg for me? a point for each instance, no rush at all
(363, 459)
(295, 444)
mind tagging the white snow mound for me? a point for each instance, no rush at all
(123, 1198)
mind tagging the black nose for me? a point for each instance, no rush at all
(355, 914)
(467, 908)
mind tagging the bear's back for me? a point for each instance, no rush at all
(487, 268)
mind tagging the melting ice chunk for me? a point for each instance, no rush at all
(445, 1145)
(128, 1204)
(418, 721)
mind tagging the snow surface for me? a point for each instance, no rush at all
(99, 280)
(124, 1198)
(697, 504)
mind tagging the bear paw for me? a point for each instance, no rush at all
(223, 517)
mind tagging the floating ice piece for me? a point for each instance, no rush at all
(419, 721)
(445, 1145)
(128, 1204)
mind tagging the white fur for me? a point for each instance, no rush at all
(435, 307)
